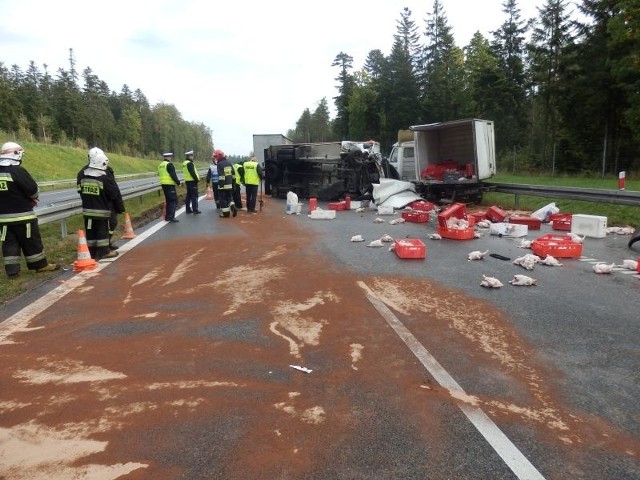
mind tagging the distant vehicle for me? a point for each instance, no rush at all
(327, 171)
(446, 161)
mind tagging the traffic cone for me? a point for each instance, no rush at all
(128, 229)
(84, 261)
(209, 194)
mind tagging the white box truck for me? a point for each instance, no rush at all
(447, 161)
(263, 141)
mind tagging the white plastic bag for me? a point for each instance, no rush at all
(546, 211)
(292, 203)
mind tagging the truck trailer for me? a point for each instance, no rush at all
(262, 141)
(446, 161)
(327, 171)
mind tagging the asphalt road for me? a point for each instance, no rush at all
(180, 359)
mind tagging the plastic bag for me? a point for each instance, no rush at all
(545, 212)
(292, 203)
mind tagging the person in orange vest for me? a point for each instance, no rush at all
(19, 230)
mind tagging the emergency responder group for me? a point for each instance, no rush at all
(102, 201)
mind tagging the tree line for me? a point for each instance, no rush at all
(80, 110)
(564, 94)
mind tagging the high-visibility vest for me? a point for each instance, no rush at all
(187, 175)
(165, 178)
(251, 176)
(236, 172)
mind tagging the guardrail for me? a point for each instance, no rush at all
(616, 197)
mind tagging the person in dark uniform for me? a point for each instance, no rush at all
(169, 180)
(226, 182)
(101, 197)
(191, 179)
(19, 230)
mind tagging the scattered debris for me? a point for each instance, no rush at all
(523, 280)
(550, 261)
(483, 224)
(360, 209)
(528, 261)
(386, 238)
(396, 221)
(477, 255)
(302, 369)
(376, 243)
(490, 282)
(603, 268)
(499, 257)
(378, 220)
(621, 230)
(629, 265)
(525, 243)
(435, 236)
(357, 238)
(576, 238)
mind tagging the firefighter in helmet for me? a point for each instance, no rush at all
(19, 230)
(226, 182)
(100, 196)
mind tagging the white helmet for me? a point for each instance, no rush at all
(97, 159)
(12, 153)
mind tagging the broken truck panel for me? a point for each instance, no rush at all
(326, 171)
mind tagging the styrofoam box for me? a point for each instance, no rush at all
(589, 225)
(385, 210)
(508, 230)
(319, 214)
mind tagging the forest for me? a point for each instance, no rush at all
(564, 93)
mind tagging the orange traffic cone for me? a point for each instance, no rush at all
(84, 261)
(128, 229)
(209, 194)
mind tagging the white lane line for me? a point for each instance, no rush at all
(19, 321)
(514, 459)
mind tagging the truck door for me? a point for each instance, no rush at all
(485, 150)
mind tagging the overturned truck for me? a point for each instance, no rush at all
(327, 171)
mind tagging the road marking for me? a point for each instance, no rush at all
(514, 459)
(19, 321)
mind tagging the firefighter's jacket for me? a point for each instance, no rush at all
(100, 194)
(226, 174)
(18, 195)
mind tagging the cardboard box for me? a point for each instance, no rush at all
(410, 248)
(589, 225)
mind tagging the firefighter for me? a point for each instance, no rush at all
(226, 183)
(238, 173)
(169, 180)
(100, 196)
(19, 230)
(191, 179)
(253, 175)
(212, 177)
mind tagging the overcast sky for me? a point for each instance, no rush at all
(238, 67)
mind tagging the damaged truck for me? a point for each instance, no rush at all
(447, 161)
(326, 171)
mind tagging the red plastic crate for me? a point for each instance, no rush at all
(422, 206)
(410, 248)
(337, 205)
(479, 216)
(415, 216)
(457, 210)
(457, 233)
(532, 222)
(561, 221)
(557, 245)
(495, 214)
